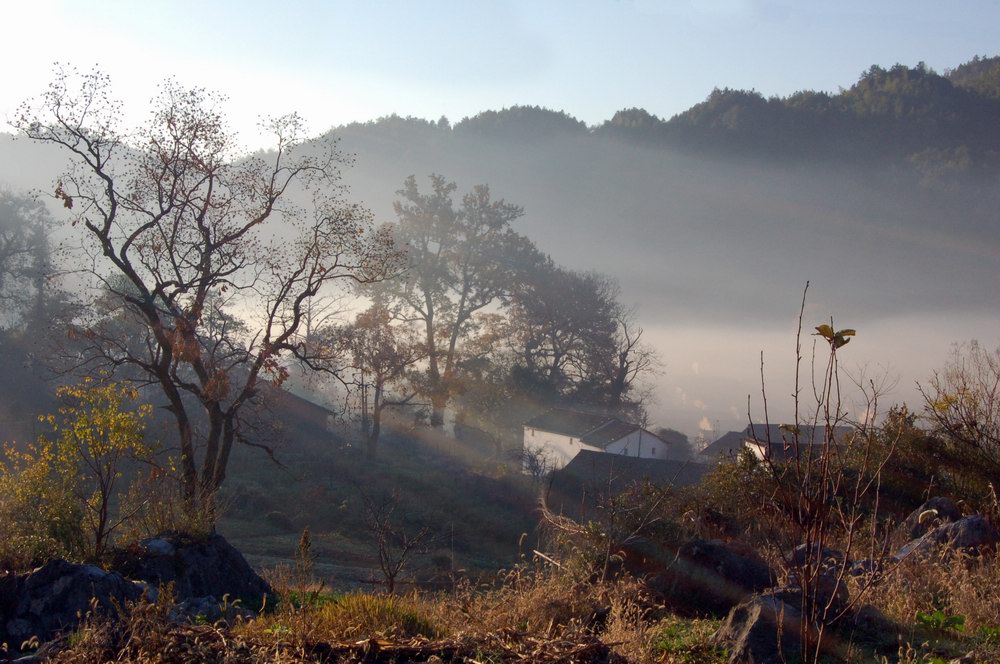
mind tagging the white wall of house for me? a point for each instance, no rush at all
(640, 444)
(759, 450)
(557, 449)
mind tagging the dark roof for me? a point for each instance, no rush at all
(299, 415)
(782, 441)
(612, 430)
(730, 443)
(591, 474)
(568, 422)
(589, 466)
(779, 434)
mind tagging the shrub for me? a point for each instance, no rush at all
(155, 504)
(58, 496)
(40, 517)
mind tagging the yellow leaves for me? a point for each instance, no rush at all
(836, 339)
(944, 403)
(98, 421)
(62, 486)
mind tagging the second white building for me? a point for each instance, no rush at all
(559, 434)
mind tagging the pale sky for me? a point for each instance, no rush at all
(336, 62)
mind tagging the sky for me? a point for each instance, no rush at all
(338, 62)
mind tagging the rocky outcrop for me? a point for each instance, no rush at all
(971, 535)
(208, 576)
(705, 576)
(52, 598)
(820, 557)
(761, 630)
(935, 512)
(196, 567)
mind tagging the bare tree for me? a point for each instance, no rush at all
(177, 224)
(963, 400)
(626, 361)
(393, 544)
(824, 473)
(574, 336)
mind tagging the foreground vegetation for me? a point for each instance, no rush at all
(537, 611)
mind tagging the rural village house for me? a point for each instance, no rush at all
(559, 434)
(774, 440)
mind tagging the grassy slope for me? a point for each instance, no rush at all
(477, 508)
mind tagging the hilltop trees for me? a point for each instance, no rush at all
(184, 231)
(574, 338)
(500, 321)
(565, 334)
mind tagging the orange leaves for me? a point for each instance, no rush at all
(61, 194)
(217, 387)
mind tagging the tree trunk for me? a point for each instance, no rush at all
(438, 403)
(228, 437)
(189, 471)
(208, 469)
(371, 444)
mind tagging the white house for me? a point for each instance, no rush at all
(780, 442)
(775, 441)
(559, 434)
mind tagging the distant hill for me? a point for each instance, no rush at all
(887, 115)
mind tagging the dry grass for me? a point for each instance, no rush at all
(538, 612)
(535, 599)
(534, 613)
(956, 585)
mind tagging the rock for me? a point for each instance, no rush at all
(711, 576)
(936, 511)
(196, 568)
(831, 596)
(863, 567)
(158, 547)
(207, 610)
(972, 534)
(826, 557)
(751, 631)
(50, 599)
